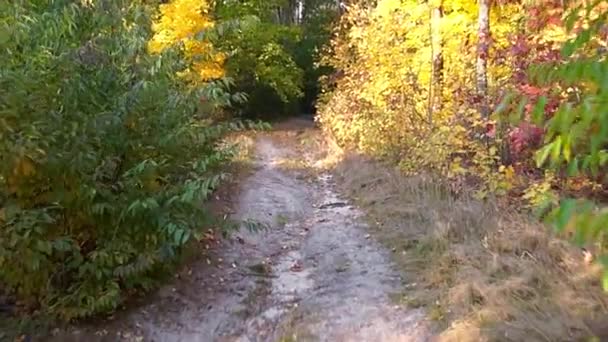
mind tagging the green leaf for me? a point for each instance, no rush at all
(538, 113)
(565, 213)
(571, 19)
(568, 49)
(543, 154)
(556, 150)
(573, 168)
(178, 236)
(502, 106)
(44, 246)
(62, 245)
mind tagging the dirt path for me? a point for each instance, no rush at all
(315, 275)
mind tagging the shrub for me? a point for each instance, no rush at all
(577, 135)
(105, 155)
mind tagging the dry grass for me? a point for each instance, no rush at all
(245, 145)
(484, 273)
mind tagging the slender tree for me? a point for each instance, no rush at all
(436, 88)
(288, 12)
(483, 49)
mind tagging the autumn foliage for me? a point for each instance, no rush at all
(109, 138)
(180, 22)
(105, 152)
(415, 79)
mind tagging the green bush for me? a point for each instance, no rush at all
(259, 56)
(576, 140)
(105, 155)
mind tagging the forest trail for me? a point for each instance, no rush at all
(314, 275)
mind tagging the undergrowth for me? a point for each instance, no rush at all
(481, 272)
(497, 97)
(106, 156)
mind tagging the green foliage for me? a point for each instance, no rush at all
(577, 135)
(105, 155)
(318, 18)
(258, 56)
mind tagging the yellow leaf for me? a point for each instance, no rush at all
(179, 22)
(24, 167)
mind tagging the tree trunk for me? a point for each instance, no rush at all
(288, 12)
(436, 89)
(483, 49)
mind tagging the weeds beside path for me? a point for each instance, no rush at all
(407, 262)
(314, 275)
(483, 272)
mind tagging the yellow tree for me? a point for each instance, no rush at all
(178, 23)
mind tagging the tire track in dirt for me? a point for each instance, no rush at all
(315, 275)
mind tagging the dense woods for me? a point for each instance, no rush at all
(112, 115)
(506, 98)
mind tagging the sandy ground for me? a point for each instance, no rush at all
(313, 275)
